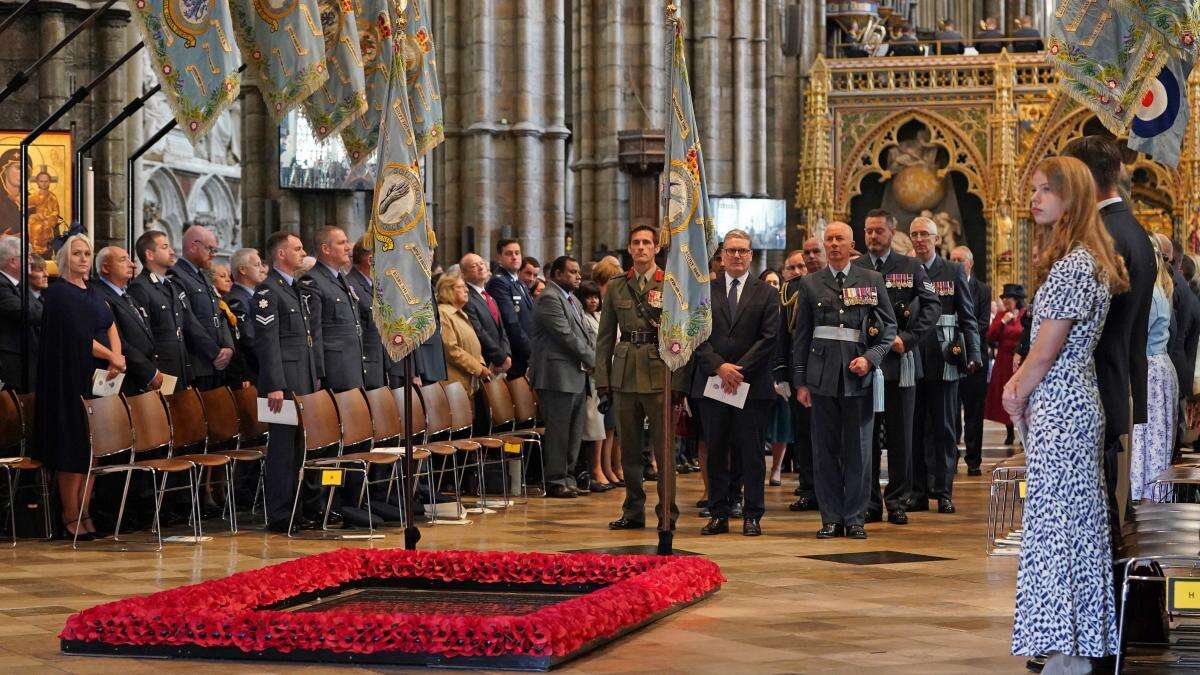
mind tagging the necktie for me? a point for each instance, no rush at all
(641, 283)
(136, 312)
(733, 297)
(879, 264)
(841, 278)
(493, 308)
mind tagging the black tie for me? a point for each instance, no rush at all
(733, 298)
(841, 278)
(879, 264)
(136, 312)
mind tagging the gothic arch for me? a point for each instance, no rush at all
(212, 204)
(163, 205)
(863, 159)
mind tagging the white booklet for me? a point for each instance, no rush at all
(168, 384)
(714, 389)
(102, 386)
(285, 416)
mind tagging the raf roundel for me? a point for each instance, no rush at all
(1159, 106)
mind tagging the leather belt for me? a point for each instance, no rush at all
(640, 337)
(834, 333)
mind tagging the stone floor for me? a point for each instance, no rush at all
(780, 612)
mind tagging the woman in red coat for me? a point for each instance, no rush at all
(1005, 334)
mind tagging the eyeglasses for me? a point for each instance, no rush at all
(919, 235)
(737, 251)
(212, 250)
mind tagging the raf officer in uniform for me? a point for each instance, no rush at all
(336, 308)
(375, 359)
(177, 334)
(248, 272)
(972, 389)
(629, 371)
(287, 345)
(948, 353)
(199, 247)
(808, 260)
(916, 309)
(844, 327)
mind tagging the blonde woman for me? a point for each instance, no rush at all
(1153, 442)
(1066, 553)
(79, 335)
(464, 356)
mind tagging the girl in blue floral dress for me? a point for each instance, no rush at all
(1064, 605)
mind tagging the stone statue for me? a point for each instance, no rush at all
(949, 228)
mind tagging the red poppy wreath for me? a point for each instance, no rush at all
(237, 617)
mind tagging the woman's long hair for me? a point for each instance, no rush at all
(1079, 225)
(1163, 280)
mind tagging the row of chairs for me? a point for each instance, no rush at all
(16, 428)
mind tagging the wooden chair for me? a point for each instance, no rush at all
(189, 430)
(252, 434)
(358, 429)
(13, 434)
(137, 425)
(441, 425)
(224, 429)
(388, 436)
(504, 425)
(526, 421)
(462, 413)
(320, 431)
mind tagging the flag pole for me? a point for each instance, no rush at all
(666, 467)
(412, 534)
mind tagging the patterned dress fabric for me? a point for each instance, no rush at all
(1153, 441)
(1064, 581)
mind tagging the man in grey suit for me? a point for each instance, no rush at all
(564, 353)
(336, 308)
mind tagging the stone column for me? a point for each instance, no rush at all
(553, 190)
(527, 131)
(479, 179)
(112, 34)
(53, 84)
(256, 179)
(740, 47)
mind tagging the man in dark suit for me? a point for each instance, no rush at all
(916, 309)
(336, 310)
(950, 41)
(11, 320)
(948, 353)
(514, 302)
(1185, 321)
(177, 333)
(38, 281)
(844, 328)
(199, 248)
(801, 448)
(990, 40)
(137, 340)
(287, 344)
(1121, 352)
(563, 357)
(375, 359)
(972, 390)
(741, 349)
(1032, 39)
(430, 363)
(248, 272)
(906, 44)
(484, 312)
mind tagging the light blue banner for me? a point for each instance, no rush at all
(283, 44)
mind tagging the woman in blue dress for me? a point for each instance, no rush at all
(1064, 606)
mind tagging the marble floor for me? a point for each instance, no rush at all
(781, 611)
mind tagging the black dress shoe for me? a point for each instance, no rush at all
(278, 526)
(898, 517)
(918, 505)
(736, 512)
(334, 522)
(701, 503)
(560, 492)
(650, 476)
(716, 526)
(617, 484)
(600, 487)
(945, 506)
(624, 523)
(705, 513)
(873, 517)
(974, 471)
(751, 527)
(1036, 664)
(856, 532)
(798, 491)
(831, 530)
(803, 504)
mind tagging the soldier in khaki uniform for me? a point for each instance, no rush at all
(629, 372)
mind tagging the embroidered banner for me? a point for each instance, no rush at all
(378, 47)
(283, 43)
(687, 306)
(1175, 22)
(191, 45)
(1162, 114)
(343, 97)
(420, 67)
(403, 304)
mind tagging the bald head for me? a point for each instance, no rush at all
(114, 265)
(839, 243)
(474, 269)
(199, 246)
(925, 239)
(814, 254)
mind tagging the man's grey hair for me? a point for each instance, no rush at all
(103, 257)
(10, 248)
(933, 228)
(739, 234)
(965, 251)
(240, 259)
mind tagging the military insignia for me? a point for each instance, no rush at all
(264, 291)
(872, 331)
(182, 296)
(304, 300)
(929, 287)
(684, 195)
(898, 281)
(264, 320)
(654, 299)
(187, 18)
(262, 304)
(956, 350)
(860, 296)
(944, 287)
(155, 278)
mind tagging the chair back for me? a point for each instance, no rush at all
(418, 412)
(188, 426)
(109, 428)
(318, 420)
(524, 401)
(151, 425)
(355, 415)
(437, 409)
(11, 427)
(221, 415)
(246, 400)
(462, 413)
(385, 414)
(500, 403)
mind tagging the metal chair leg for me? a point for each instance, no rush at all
(12, 504)
(121, 509)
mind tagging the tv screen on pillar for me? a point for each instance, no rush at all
(764, 219)
(308, 164)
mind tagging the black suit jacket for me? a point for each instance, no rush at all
(951, 42)
(492, 336)
(516, 312)
(1033, 44)
(989, 42)
(1121, 352)
(240, 302)
(137, 339)
(10, 335)
(981, 293)
(951, 279)
(1185, 331)
(905, 45)
(747, 339)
